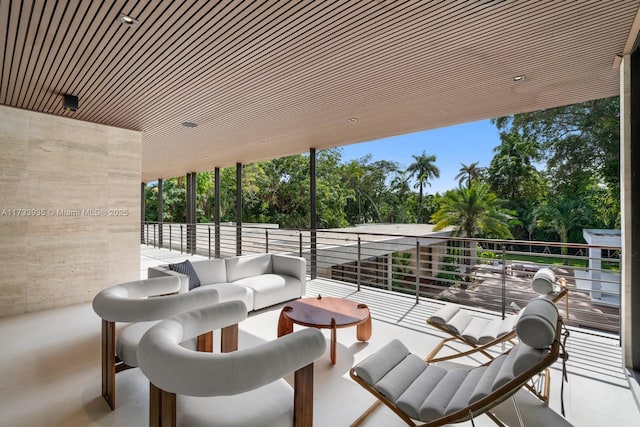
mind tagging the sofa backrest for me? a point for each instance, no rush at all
(211, 271)
(241, 267)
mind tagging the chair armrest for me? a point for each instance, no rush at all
(178, 370)
(116, 305)
(164, 271)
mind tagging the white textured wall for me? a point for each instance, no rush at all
(69, 209)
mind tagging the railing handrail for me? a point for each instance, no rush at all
(512, 242)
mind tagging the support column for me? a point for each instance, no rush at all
(630, 208)
(142, 217)
(314, 213)
(216, 212)
(238, 208)
(191, 212)
(390, 271)
(160, 218)
(595, 266)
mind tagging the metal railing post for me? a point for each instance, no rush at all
(154, 235)
(358, 265)
(300, 236)
(417, 271)
(504, 281)
(181, 234)
(170, 237)
(266, 240)
(209, 230)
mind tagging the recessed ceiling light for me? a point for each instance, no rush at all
(189, 124)
(352, 120)
(205, 157)
(127, 20)
(262, 142)
(519, 78)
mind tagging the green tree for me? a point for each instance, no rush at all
(332, 194)
(472, 212)
(578, 142)
(423, 169)
(562, 216)
(468, 173)
(511, 173)
(367, 181)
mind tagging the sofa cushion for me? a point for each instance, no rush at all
(128, 339)
(270, 289)
(241, 267)
(186, 268)
(211, 271)
(231, 292)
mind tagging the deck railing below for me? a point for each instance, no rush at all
(483, 273)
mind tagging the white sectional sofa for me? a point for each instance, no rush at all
(257, 280)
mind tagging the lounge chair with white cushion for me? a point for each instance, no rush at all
(481, 333)
(426, 394)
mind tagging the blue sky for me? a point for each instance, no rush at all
(465, 143)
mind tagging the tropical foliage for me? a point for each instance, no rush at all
(553, 173)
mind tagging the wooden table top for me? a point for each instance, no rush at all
(318, 312)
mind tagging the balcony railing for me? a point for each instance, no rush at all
(482, 273)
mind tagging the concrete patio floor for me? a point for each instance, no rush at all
(50, 372)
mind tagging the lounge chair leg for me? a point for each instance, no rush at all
(366, 413)
(543, 392)
(109, 363)
(303, 397)
(494, 419)
(515, 406)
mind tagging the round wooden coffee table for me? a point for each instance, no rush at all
(326, 313)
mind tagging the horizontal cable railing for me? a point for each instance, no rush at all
(483, 273)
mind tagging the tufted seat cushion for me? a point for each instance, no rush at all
(475, 329)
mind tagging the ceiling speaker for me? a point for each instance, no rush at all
(70, 102)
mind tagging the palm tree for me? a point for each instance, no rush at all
(472, 211)
(423, 169)
(561, 216)
(468, 173)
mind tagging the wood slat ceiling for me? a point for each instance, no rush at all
(264, 79)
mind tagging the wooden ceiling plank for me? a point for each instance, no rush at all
(72, 63)
(185, 63)
(147, 51)
(11, 44)
(33, 42)
(67, 59)
(132, 42)
(266, 74)
(38, 48)
(101, 56)
(21, 45)
(213, 69)
(50, 45)
(152, 55)
(4, 35)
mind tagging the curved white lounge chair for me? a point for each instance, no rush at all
(240, 388)
(143, 302)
